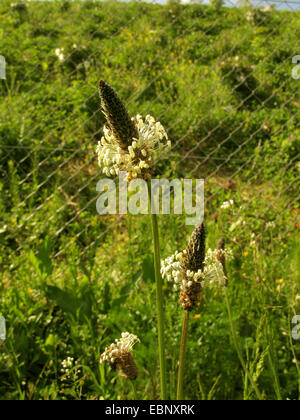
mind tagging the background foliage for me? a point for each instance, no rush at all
(219, 80)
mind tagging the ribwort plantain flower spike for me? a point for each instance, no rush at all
(128, 143)
(120, 124)
(193, 262)
(195, 252)
(119, 355)
(193, 269)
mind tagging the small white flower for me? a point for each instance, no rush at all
(59, 54)
(270, 225)
(67, 364)
(227, 204)
(212, 273)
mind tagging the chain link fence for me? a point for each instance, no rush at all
(220, 79)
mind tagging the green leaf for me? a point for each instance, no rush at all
(65, 300)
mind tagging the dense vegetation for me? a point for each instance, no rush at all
(220, 81)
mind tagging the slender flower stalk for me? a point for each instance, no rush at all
(192, 270)
(181, 355)
(159, 301)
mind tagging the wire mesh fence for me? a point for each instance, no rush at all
(218, 78)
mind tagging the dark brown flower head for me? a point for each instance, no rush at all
(118, 119)
(125, 363)
(193, 261)
(195, 252)
(119, 355)
(190, 297)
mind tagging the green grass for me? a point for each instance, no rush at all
(72, 281)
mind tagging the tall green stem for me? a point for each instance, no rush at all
(238, 350)
(159, 301)
(181, 356)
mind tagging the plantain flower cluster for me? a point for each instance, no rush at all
(119, 356)
(138, 159)
(172, 269)
(128, 143)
